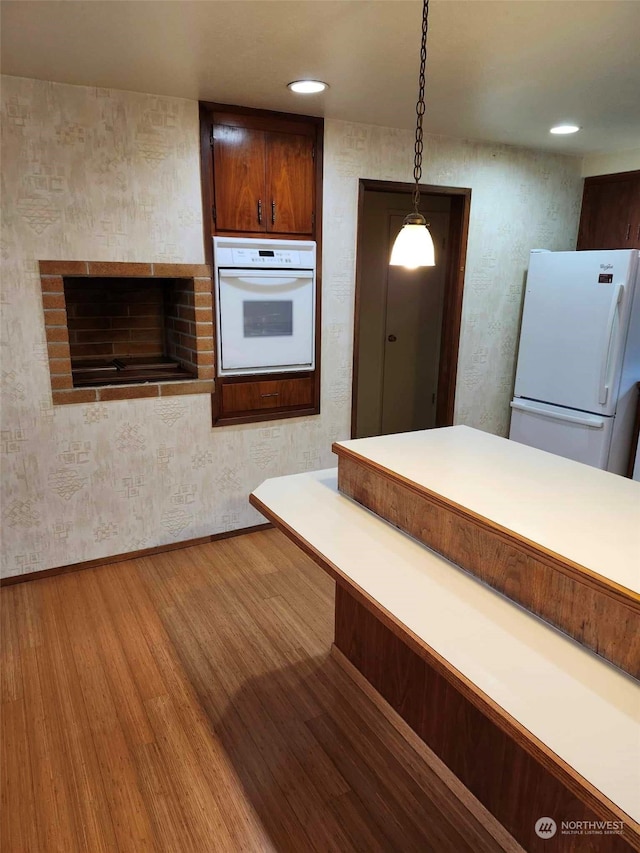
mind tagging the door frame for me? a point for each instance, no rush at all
(453, 289)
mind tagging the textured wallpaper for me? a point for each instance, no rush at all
(107, 175)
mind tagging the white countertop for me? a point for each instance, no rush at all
(582, 708)
(590, 516)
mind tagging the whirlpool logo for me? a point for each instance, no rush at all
(546, 827)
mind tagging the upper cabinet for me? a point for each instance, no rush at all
(261, 172)
(289, 182)
(610, 217)
(239, 178)
(263, 181)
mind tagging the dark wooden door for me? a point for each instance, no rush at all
(239, 179)
(610, 217)
(290, 174)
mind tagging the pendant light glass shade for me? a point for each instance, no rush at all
(413, 247)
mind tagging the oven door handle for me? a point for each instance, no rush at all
(266, 285)
(290, 275)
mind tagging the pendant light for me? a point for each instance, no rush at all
(413, 246)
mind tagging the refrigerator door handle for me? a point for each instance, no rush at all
(604, 370)
(592, 421)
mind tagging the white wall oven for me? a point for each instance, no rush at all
(265, 305)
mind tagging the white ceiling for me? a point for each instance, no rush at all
(500, 70)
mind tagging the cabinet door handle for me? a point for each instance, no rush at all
(273, 213)
(259, 211)
(628, 232)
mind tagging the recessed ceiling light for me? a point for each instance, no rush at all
(563, 129)
(307, 87)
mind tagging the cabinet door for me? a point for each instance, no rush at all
(610, 217)
(239, 179)
(290, 182)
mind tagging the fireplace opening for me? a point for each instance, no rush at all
(130, 330)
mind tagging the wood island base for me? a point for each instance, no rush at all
(498, 766)
(530, 722)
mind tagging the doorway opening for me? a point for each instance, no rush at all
(407, 322)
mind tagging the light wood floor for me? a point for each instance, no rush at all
(188, 702)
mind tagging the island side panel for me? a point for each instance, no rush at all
(605, 620)
(515, 787)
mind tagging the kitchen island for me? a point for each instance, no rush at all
(533, 723)
(558, 537)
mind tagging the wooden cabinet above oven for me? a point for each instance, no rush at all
(261, 172)
(262, 181)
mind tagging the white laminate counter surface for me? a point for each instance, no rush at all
(583, 709)
(590, 516)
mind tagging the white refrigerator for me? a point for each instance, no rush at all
(579, 356)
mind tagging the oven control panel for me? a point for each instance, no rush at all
(265, 258)
(255, 253)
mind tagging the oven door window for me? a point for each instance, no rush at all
(266, 320)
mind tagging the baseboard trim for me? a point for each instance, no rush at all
(131, 555)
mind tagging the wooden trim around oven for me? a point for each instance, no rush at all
(312, 126)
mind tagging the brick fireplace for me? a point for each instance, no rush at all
(118, 330)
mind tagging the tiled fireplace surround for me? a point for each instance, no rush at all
(191, 322)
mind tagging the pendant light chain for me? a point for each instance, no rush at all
(417, 162)
(413, 246)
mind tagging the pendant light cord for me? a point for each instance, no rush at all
(417, 162)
